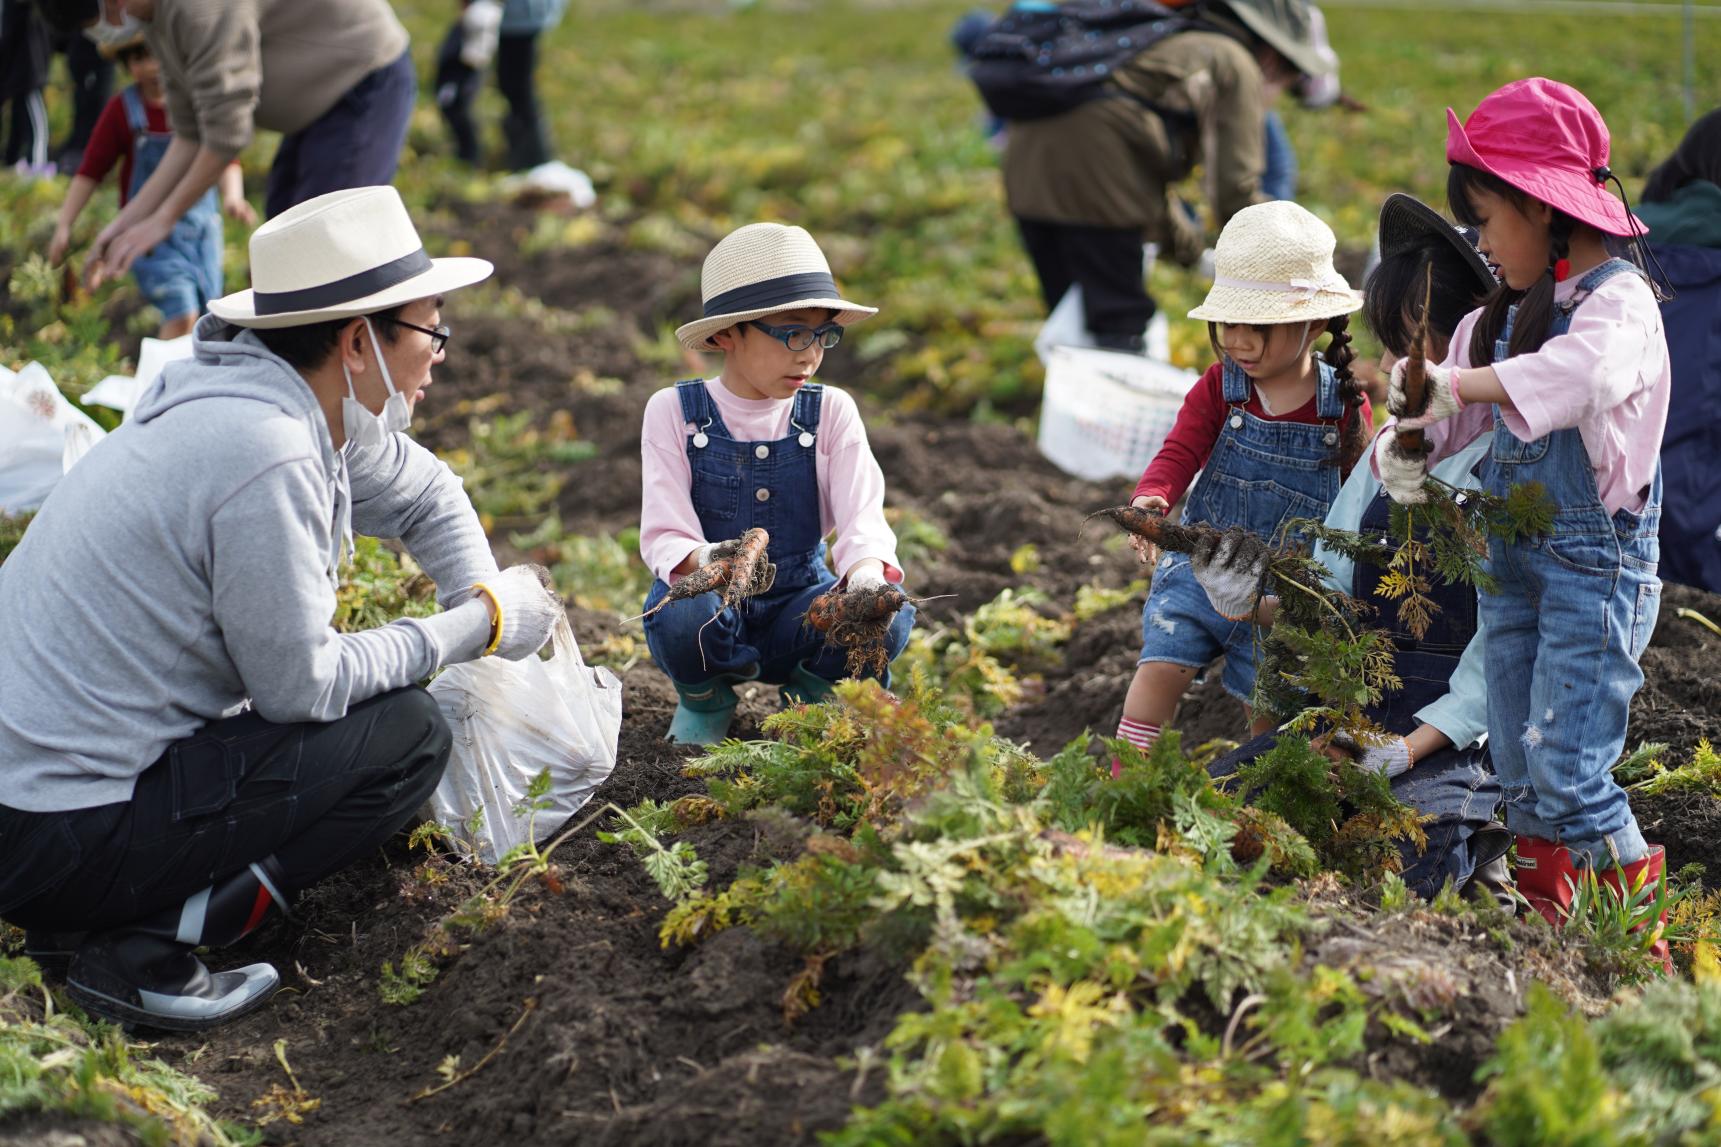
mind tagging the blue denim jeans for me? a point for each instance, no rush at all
(1570, 615)
(695, 640)
(1279, 180)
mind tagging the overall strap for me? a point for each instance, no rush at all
(1236, 383)
(136, 115)
(697, 407)
(1328, 402)
(809, 400)
(1594, 278)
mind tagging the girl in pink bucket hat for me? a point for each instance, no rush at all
(1567, 365)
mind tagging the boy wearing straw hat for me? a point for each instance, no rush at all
(760, 445)
(184, 738)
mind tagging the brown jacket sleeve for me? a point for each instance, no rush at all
(211, 54)
(1233, 132)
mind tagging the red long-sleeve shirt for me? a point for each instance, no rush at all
(111, 142)
(1193, 435)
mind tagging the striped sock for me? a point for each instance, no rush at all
(1138, 733)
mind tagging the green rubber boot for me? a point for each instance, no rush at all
(706, 710)
(804, 687)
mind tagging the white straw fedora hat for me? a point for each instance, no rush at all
(1274, 264)
(337, 256)
(759, 269)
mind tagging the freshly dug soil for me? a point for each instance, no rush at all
(619, 1041)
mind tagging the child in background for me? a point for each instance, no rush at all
(1272, 428)
(760, 445)
(465, 52)
(1576, 399)
(183, 273)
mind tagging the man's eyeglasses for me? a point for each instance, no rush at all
(438, 334)
(800, 338)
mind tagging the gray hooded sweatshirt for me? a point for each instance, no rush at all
(189, 563)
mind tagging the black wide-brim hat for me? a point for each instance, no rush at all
(1405, 220)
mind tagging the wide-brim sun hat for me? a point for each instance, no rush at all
(1287, 28)
(1274, 264)
(338, 256)
(758, 270)
(1406, 220)
(1547, 140)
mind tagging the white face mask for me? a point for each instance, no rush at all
(113, 35)
(364, 428)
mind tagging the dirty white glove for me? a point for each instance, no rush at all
(1392, 758)
(1230, 568)
(865, 576)
(1442, 401)
(1402, 473)
(715, 551)
(480, 30)
(527, 609)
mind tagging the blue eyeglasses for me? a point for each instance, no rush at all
(800, 338)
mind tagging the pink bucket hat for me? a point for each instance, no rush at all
(1547, 140)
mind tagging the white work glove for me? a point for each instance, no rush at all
(1442, 401)
(716, 551)
(1392, 758)
(865, 576)
(527, 609)
(1230, 568)
(480, 30)
(1402, 473)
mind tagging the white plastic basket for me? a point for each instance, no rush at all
(1105, 414)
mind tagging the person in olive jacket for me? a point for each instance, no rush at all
(1089, 187)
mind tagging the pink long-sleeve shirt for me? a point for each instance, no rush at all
(851, 485)
(1608, 376)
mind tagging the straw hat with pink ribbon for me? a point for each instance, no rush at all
(1274, 264)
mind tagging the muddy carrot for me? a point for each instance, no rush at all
(744, 567)
(1415, 373)
(1154, 527)
(858, 621)
(712, 577)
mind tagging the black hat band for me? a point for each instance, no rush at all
(358, 286)
(772, 292)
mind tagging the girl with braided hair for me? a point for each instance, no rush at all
(1273, 427)
(1566, 364)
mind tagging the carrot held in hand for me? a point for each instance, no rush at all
(735, 570)
(858, 620)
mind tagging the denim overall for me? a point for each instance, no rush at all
(1260, 475)
(183, 272)
(1572, 613)
(1454, 788)
(737, 486)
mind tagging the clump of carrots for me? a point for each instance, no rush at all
(858, 621)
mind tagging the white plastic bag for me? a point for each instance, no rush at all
(121, 391)
(512, 720)
(41, 436)
(1104, 414)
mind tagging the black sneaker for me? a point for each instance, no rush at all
(140, 980)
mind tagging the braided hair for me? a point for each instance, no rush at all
(1536, 304)
(1339, 355)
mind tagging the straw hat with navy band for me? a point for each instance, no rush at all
(338, 256)
(758, 270)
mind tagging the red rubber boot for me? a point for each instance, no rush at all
(1646, 873)
(1546, 877)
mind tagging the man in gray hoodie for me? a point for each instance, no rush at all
(184, 738)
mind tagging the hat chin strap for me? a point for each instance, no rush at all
(1644, 254)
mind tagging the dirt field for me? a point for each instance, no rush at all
(619, 1041)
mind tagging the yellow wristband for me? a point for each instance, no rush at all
(495, 626)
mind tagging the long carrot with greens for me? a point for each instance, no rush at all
(1415, 373)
